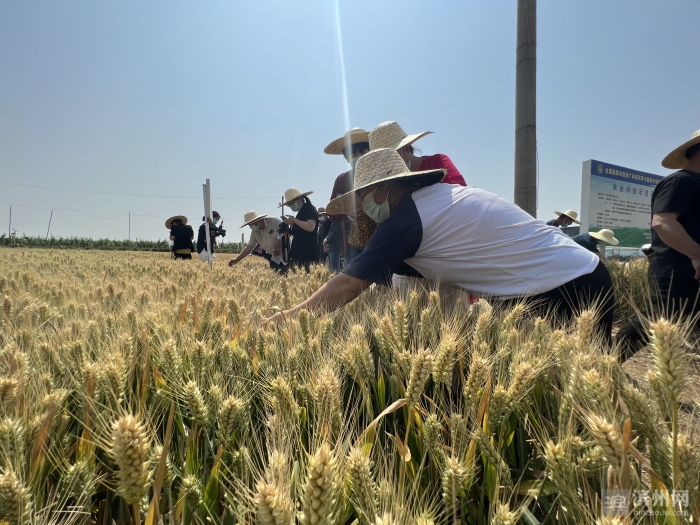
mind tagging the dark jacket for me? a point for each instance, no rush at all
(333, 239)
(202, 239)
(183, 237)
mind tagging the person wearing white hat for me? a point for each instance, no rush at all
(591, 240)
(263, 233)
(390, 135)
(566, 218)
(356, 227)
(674, 265)
(304, 227)
(468, 237)
(181, 236)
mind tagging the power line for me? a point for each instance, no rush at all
(127, 194)
(90, 214)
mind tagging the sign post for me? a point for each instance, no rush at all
(619, 199)
(206, 189)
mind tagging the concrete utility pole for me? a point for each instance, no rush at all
(526, 108)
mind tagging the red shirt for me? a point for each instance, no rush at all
(440, 161)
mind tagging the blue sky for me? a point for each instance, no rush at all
(153, 97)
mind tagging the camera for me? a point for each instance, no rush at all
(218, 231)
(283, 228)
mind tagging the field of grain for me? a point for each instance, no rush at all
(138, 389)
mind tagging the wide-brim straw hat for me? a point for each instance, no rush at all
(676, 159)
(378, 166)
(321, 210)
(571, 214)
(250, 217)
(293, 194)
(353, 136)
(390, 135)
(605, 236)
(169, 222)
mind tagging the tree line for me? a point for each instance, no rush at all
(87, 243)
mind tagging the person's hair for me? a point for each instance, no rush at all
(354, 148)
(692, 151)
(214, 214)
(176, 222)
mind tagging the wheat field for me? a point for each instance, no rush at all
(138, 389)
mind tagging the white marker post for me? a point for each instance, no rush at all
(206, 189)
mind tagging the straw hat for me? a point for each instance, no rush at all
(377, 166)
(250, 217)
(353, 136)
(293, 194)
(605, 236)
(571, 214)
(676, 159)
(321, 210)
(169, 222)
(390, 135)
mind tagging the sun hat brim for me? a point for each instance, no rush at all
(612, 242)
(336, 147)
(254, 220)
(169, 222)
(676, 159)
(565, 215)
(295, 198)
(348, 202)
(410, 139)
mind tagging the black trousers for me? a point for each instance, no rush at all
(183, 255)
(593, 290)
(673, 297)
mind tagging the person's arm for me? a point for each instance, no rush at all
(337, 292)
(244, 253)
(172, 237)
(307, 226)
(666, 225)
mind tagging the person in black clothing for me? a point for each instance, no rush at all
(181, 235)
(202, 236)
(564, 219)
(304, 225)
(674, 265)
(591, 240)
(323, 230)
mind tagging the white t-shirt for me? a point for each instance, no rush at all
(267, 238)
(475, 240)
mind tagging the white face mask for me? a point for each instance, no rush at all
(322, 218)
(377, 212)
(295, 206)
(254, 227)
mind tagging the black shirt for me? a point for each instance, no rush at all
(553, 222)
(394, 240)
(677, 193)
(183, 237)
(202, 239)
(588, 242)
(305, 244)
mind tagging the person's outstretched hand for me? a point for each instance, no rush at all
(232, 262)
(277, 318)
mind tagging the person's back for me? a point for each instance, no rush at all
(588, 242)
(183, 234)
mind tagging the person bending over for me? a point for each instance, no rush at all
(264, 233)
(463, 235)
